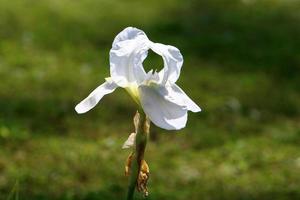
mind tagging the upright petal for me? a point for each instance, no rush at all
(129, 49)
(96, 95)
(173, 61)
(162, 112)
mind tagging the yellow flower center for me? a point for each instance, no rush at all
(133, 91)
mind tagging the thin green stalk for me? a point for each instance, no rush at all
(15, 190)
(138, 156)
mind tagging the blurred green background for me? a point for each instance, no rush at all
(242, 66)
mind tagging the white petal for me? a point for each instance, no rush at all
(163, 113)
(96, 95)
(180, 97)
(129, 49)
(130, 141)
(173, 61)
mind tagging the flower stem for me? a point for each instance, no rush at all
(138, 155)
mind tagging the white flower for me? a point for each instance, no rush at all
(156, 92)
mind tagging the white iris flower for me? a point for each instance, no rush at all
(156, 92)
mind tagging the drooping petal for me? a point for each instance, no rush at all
(173, 61)
(177, 95)
(95, 96)
(129, 49)
(162, 112)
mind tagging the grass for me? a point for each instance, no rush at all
(241, 67)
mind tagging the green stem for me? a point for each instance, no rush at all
(138, 156)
